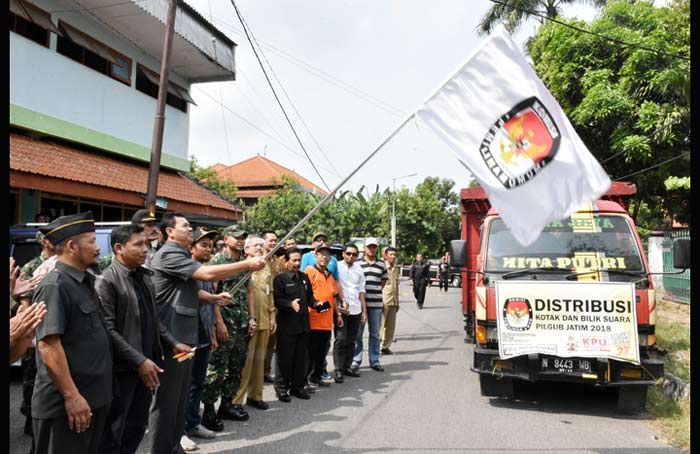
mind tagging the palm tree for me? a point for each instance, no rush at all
(514, 12)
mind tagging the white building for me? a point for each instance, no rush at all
(83, 89)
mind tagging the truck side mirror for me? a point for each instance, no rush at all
(458, 253)
(681, 253)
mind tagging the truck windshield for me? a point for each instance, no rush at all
(584, 242)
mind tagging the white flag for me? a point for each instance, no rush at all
(509, 131)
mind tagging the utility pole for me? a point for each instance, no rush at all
(159, 123)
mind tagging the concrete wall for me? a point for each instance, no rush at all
(45, 82)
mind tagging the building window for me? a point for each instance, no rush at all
(31, 22)
(86, 50)
(14, 207)
(147, 82)
(56, 205)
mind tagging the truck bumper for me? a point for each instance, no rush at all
(604, 372)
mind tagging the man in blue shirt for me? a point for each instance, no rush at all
(309, 259)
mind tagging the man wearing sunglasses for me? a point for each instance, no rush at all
(353, 310)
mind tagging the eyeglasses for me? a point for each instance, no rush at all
(351, 254)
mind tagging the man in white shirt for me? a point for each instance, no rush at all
(354, 310)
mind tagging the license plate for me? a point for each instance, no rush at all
(565, 365)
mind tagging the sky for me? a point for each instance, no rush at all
(354, 71)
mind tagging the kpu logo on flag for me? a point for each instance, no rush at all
(521, 143)
(506, 127)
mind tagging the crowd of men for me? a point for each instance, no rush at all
(176, 319)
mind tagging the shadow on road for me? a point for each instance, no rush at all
(421, 350)
(329, 404)
(565, 398)
(425, 336)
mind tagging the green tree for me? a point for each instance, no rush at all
(513, 13)
(629, 105)
(211, 180)
(427, 218)
(281, 211)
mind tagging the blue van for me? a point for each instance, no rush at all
(24, 246)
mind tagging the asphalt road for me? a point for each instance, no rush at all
(426, 401)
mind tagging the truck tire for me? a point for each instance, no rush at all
(456, 281)
(491, 386)
(631, 399)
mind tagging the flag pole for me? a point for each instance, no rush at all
(326, 198)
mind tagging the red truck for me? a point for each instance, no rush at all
(488, 253)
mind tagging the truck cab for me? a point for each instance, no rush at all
(598, 243)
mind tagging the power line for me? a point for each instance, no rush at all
(612, 157)
(323, 75)
(289, 99)
(573, 27)
(252, 125)
(654, 166)
(245, 28)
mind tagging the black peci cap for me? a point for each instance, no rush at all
(68, 226)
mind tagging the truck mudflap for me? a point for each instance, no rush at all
(596, 371)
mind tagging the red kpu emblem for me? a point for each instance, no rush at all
(521, 143)
(517, 314)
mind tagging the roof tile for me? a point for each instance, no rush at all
(260, 171)
(61, 161)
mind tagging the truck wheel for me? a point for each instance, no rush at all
(492, 387)
(456, 282)
(632, 399)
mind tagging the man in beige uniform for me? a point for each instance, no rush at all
(253, 371)
(390, 297)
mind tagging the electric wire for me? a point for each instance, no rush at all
(654, 166)
(612, 157)
(579, 29)
(323, 75)
(291, 103)
(253, 104)
(252, 125)
(221, 98)
(245, 28)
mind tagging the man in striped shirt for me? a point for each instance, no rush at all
(375, 278)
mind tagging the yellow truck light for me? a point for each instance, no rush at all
(481, 334)
(631, 373)
(647, 340)
(501, 364)
(589, 376)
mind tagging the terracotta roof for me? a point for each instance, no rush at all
(254, 193)
(217, 167)
(64, 162)
(260, 171)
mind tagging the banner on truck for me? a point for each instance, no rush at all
(567, 319)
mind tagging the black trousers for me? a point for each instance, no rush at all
(344, 344)
(52, 436)
(419, 287)
(443, 281)
(128, 416)
(292, 361)
(318, 342)
(170, 406)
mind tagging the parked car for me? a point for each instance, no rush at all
(24, 246)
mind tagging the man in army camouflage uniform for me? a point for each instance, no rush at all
(232, 326)
(29, 358)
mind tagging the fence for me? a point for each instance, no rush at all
(676, 287)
